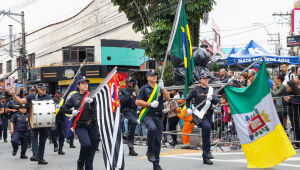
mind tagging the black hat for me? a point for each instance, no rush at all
(203, 75)
(3, 97)
(151, 72)
(203, 46)
(82, 79)
(128, 79)
(32, 88)
(22, 105)
(42, 86)
(58, 92)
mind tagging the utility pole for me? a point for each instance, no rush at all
(23, 57)
(277, 43)
(291, 51)
(10, 41)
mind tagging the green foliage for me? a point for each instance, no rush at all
(168, 78)
(154, 19)
(214, 67)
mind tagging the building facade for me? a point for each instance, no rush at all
(98, 33)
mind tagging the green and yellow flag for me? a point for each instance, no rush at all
(180, 44)
(261, 134)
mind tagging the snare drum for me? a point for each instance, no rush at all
(42, 114)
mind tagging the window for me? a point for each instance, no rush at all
(78, 54)
(8, 66)
(31, 60)
(217, 37)
(19, 63)
(1, 68)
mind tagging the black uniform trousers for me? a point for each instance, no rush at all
(89, 141)
(17, 138)
(155, 127)
(58, 132)
(3, 129)
(205, 125)
(132, 122)
(38, 143)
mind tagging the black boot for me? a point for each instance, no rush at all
(150, 156)
(173, 143)
(132, 152)
(72, 145)
(207, 161)
(60, 151)
(157, 167)
(55, 149)
(34, 158)
(24, 157)
(14, 153)
(5, 140)
(208, 155)
(42, 162)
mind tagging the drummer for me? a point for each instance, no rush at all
(38, 147)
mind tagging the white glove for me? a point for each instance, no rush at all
(57, 106)
(74, 113)
(209, 98)
(161, 84)
(88, 100)
(154, 104)
(189, 111)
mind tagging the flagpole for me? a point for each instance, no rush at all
(63, 97)
(218, 90)
(174, 27)
(78, 71)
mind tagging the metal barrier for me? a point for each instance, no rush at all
(224, 135)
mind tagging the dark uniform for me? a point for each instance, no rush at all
(38, 143)
(200, 94)
(128, 108)
(4, 118)
(58, 131)
(21, 125)
(86, 128)
(153, 122)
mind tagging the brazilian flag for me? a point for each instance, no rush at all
(180, 44)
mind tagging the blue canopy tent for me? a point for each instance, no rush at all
(253, 51)
(223, 60)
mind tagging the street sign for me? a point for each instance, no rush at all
(296, 20)
(293, 41)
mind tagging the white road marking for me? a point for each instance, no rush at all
(235, 160)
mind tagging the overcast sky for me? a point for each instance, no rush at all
(236, 14)
(232, 16)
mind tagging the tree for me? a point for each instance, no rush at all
(214, 66)
(168, 78)
(154, 19)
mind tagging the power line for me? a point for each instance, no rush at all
(111, 30)
(22, 5)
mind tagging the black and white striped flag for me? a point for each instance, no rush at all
(108, 115)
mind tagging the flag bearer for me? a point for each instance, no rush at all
(86, 126)
(19, 127)
(200, 93)
(151, 115)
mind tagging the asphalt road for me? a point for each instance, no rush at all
(171, 159)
